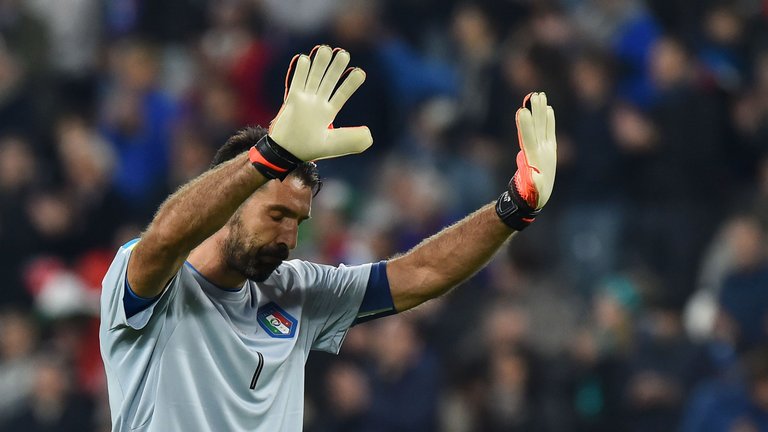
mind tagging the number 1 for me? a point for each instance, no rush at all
(259, 367)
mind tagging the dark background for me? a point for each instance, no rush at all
(638, 301)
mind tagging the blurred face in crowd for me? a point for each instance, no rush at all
(17, 164)
(723, 26)
(761, 71)
(135, 66)
(51, 214)
(265, 228)
(348, 389)
(356, 21)
(608, 312)
(10, 71)
(745, 240)
(590, 81)
(509, 369)
(17, 336)
(87, 160)
(506, 325)
(471, 30)
(396, 345)
(51, 382)
(760, 393)
(669, 63)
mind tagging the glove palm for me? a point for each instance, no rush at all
(303, 125)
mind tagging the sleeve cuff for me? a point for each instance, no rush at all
(377, 301)
(134, 303)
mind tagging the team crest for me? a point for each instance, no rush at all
(275, 321)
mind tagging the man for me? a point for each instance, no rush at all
(206, 327)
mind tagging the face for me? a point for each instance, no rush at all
(265, 228)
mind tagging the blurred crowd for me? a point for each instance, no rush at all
(638, 301)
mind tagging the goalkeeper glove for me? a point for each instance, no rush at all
(302, 130)
(531, 186)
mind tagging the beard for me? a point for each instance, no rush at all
(255, 263)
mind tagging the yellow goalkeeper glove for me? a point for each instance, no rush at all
(302, 130)
(531, 186)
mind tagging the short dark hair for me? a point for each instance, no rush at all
(246, 138)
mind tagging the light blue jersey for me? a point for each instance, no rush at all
(201, 358)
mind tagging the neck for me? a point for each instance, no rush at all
(208, 260)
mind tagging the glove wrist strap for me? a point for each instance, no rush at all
(271, 160)
(513, 210)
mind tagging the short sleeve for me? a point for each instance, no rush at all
(332, 299)
(113, 312)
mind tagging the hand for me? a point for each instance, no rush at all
(531, 186)
(303, 125)
(537, 159)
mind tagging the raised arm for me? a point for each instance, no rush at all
(454, 254)
(188, 217)
(300, 132)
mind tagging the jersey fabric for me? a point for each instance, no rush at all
(202, 358)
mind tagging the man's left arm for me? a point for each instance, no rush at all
(451, 256)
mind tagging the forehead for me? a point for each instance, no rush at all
(291, 193)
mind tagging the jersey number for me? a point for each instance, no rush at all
(259, 367)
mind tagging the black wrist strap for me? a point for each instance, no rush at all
(513, 210)
(272, 161)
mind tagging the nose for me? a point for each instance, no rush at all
(289, 234)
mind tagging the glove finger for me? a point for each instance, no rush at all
(344, 141)
(527, 100)
(539, 111)
(299, 79)
(320, 63)
(352, 82)
(526, 135)
(333, 75)
(551, 126)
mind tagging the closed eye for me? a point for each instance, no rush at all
(279, 212)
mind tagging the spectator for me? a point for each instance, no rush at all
(53, 405)
(17, 101)
(723, 50)
(750, 112)
(349, 399)
(476, 49)
(18, 341)
(598, 358)
(88, 162)
(590, 170)
(671, 179)
(74, 40)
(743, 299)
(402, 366)
(728, 406)
(137, 123)
(510, 399)
(18, 166)
(662, 368)
(242, 59)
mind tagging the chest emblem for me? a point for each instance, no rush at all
(275, 321)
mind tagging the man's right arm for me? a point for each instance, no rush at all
(320, 85)
(188, 217)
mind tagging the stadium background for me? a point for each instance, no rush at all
(637, 302)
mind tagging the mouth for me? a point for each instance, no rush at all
(270, 262)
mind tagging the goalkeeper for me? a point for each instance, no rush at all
(205, 324)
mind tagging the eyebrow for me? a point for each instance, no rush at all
(287, 211)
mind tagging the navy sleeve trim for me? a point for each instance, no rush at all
(134, 303)
(377, 301)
